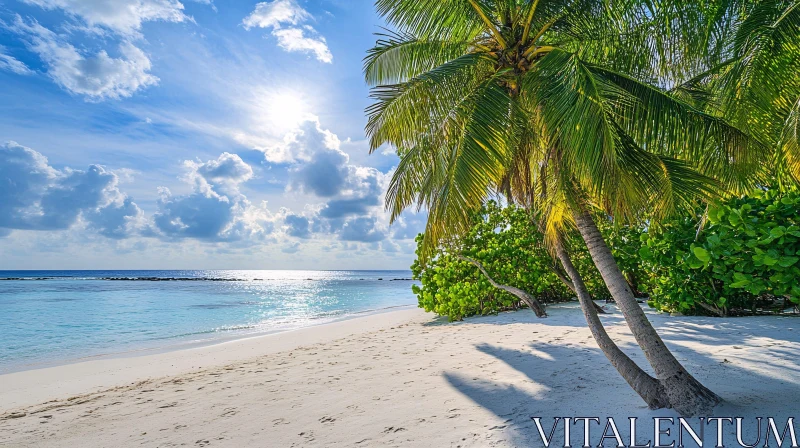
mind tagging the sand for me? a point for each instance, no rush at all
(403, 378)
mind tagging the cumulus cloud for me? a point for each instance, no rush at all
(11, 64)
(120, 16)
(323, 169)
(224, 174)
(286, 19)
(116, 220)
(227, 168)
(298, 226)
(352, 193)
(341, 202)
(199, 215)
(36, 196)
(215, 210)
(362, 229)
(323, 166)
(97, 76)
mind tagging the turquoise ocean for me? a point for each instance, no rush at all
(56, 317)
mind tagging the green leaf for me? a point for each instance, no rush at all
(701, 254)
(769, 261)
(645, 253)
(695, 264)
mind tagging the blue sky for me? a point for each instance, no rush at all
(151, 134)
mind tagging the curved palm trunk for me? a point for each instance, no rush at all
(684, 392)
(529, 300)
(651, 391)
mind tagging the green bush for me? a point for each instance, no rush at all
(509, 246)
(744, 257)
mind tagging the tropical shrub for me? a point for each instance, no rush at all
(746, 256)
(508, 245)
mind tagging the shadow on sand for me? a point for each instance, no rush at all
(751, 362)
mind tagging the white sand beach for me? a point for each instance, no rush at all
(403, 378)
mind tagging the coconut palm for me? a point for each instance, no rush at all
(554, 102)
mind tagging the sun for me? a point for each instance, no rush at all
(286, 110)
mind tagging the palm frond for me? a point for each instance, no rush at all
(452, 176)
(666, 125)
(440, 19)
(406, 111)
(398, 57)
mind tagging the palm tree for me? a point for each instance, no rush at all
(555, 102)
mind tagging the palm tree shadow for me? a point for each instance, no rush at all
(549, 373)
(560, 380)
(508, 402)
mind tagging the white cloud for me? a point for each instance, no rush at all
(12, 64)
(121, 16)
(99, 76)
(295, 39)
(215, 211)
(275, 14)
(225, 173)
(36, 196)
(363, 229)
(286, 19)
(353, 193)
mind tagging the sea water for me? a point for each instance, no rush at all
(56, 317)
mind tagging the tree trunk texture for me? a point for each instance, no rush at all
(529, 300)
(686, 395)
(650, 389)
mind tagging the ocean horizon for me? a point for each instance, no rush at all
(59, 317)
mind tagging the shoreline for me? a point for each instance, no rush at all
(400, 378)
(30, 386)
(179, 342)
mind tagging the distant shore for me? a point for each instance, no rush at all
(399, 378)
